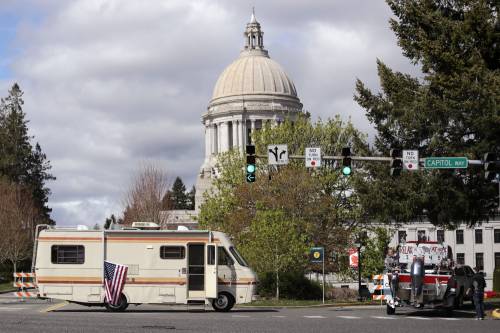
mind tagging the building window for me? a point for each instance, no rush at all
(440, 236)
(460, 258)
(401, 236)
(172, 252)
(68, 254)
(421, 236)
(480, 260)
(478, 235)
(497, 260)
(460, 236)
(496, 234)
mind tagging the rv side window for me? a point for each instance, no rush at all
(68, 254)
(172, 252)
(224, 258)
(238, 257)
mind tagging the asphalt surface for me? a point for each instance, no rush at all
(42, 316)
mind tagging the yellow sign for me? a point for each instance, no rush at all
(317, 255)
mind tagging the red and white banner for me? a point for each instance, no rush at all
(353, 257)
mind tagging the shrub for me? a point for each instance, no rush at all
(293, 285)
(341, 294)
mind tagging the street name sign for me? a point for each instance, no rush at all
(277, 154)
(410, 160)
(446, 163)
(313, 157)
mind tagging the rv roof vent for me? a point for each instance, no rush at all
(145, 225)
(182, 228)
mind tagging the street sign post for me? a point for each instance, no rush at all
(317, 255)
(277, 154)
(410, 160)
(446, 163)
(313, 157)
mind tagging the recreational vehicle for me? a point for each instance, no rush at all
(164, 266)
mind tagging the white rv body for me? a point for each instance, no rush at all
(174, 267)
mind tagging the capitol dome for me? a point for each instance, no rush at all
(253, 73)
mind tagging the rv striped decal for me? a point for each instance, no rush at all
(69, 239)
(133, 281)
(158, 239)
(127, 239)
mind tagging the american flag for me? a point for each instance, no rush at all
(114, 280)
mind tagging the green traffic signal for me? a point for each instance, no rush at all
(251, 168)
(346, 171)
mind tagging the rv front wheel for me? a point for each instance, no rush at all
(121, 306)
(223, 303)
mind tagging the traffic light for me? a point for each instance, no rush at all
(396, 162)
(346, 161)
(250, 149)
(491, 166)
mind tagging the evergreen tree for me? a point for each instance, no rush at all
(177, 195)
(453, 110)
(19, 161)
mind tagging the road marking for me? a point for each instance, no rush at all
(10, 309)
(240, 316)
(278, 316)
(349, 317)
(377, 317)
(449, 318)
(55, 307)
(315, 317)
(419, 318)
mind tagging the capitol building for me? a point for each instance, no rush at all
(250, 92)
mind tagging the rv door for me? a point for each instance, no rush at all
(211, 271)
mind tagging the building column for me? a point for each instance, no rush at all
(235, 134)
(207, 140)
(242, 131)
(215, 137)
(223, 136)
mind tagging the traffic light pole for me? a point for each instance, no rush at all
(363, 158)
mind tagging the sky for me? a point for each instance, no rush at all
(110, 84)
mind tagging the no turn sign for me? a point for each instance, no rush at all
(313, 157)
(410, 160)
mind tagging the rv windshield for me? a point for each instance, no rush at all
(238, 256)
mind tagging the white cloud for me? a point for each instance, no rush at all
(109, 83)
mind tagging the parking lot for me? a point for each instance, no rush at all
(45, 316)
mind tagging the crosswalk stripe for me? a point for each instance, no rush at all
(377, 317)
(348, 317)
(314, 317)
(240, 316)
(419, 318)
(278, 316)
(450, 318)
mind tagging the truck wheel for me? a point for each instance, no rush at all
(224, 302)
(121, 306)
(390, 310)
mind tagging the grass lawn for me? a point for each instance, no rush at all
(294, 302)
(6, 286)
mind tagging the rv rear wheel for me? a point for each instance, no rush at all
(224, 302)
(121, 306)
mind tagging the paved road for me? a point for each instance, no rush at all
(40, 316)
